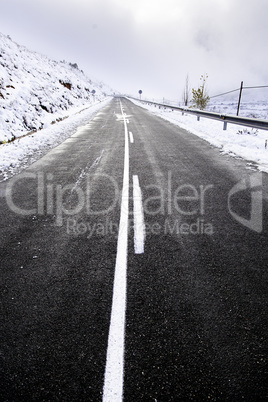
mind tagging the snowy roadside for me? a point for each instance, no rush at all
(237, 141)
(17, 155)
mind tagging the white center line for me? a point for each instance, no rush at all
(114, 371)
(139, 227)
(131, 138)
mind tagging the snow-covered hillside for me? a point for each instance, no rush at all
(36, 91)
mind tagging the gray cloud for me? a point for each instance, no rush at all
(148, 44)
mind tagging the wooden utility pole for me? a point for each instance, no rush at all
(240, 94)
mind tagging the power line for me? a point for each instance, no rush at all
(235, 90)
(225, 93)
(260, 86)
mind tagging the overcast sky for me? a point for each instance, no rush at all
(148, 44)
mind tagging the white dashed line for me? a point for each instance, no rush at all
(139, 227)
(114, 371)
(131, 138)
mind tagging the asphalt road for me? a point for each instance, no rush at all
(194, 302)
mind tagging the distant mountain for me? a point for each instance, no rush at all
(36, 91)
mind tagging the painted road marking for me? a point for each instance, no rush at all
(131, 138)
(139, 227)
(114, 370)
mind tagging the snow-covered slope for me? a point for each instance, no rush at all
(36, 91)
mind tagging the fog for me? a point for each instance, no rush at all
(148, 44)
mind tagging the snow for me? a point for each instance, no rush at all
(36, 91)
(237, 141)
(42, 102)
(17, 155)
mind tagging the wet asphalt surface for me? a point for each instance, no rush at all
(196, 314)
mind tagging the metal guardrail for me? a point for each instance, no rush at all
(225, 118)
